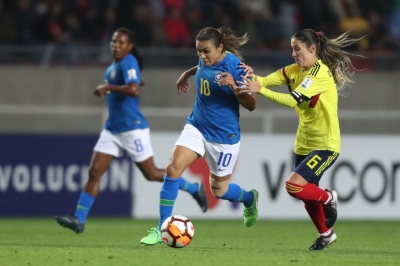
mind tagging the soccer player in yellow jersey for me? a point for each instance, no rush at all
(321, 68)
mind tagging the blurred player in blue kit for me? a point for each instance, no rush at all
(212, 129)
(126, 129)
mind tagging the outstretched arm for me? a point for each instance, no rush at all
(280, 98)
(182, 84)
(285, 99)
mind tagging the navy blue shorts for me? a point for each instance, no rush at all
(312, 166)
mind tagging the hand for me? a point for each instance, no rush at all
(247, 69)
(249, 86)
(101, 90)
(182, 84)
(226, 79)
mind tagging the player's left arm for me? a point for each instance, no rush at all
(247, 100)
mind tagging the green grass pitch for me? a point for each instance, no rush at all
(216, 242)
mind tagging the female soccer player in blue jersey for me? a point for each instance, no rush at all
(321, 68)
(126, 129)
(212, 129)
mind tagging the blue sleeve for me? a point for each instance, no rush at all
(130, 70)
(238, 72)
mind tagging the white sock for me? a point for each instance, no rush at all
(329, 198)
(326, 234)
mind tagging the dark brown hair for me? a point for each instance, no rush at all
(331, 53)
(134, 50)
(223, 35)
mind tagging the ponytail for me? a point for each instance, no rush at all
(331, 53)
(139, 58)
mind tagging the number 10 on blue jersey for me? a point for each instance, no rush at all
(205, 87)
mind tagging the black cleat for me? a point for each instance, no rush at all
(330, 210)
(201, 197)
(71, 222)
(322, 242)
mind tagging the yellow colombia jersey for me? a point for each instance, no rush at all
(318, 113)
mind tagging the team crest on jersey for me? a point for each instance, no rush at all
(291, 81)
(217, 76)
(112, 74)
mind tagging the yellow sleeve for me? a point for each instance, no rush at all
(280, 98)
(275, 79)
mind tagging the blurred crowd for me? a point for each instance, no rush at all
(175, 23)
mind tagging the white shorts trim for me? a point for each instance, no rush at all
(135, 142)
(220, 158)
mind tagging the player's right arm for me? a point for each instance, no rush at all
(182, 84)
(131, 80)
(131, 89)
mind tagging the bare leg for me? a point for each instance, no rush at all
(150, 170)
(98, 166)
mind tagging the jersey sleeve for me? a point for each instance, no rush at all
(130, 71)
(275, 79)
(280, 98)
(238, 73)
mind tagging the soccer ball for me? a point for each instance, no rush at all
(177, 231)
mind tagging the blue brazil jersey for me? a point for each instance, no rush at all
(216, 109)
(123, 111)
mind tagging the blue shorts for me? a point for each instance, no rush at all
(312, 166)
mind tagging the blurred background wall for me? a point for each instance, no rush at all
(53, 54)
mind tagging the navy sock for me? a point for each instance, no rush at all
(168, 194)
(237, 194)
(187, 186)
(85, 202)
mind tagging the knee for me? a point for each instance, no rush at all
(95, 173)
(293, 189)
(174, 169)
